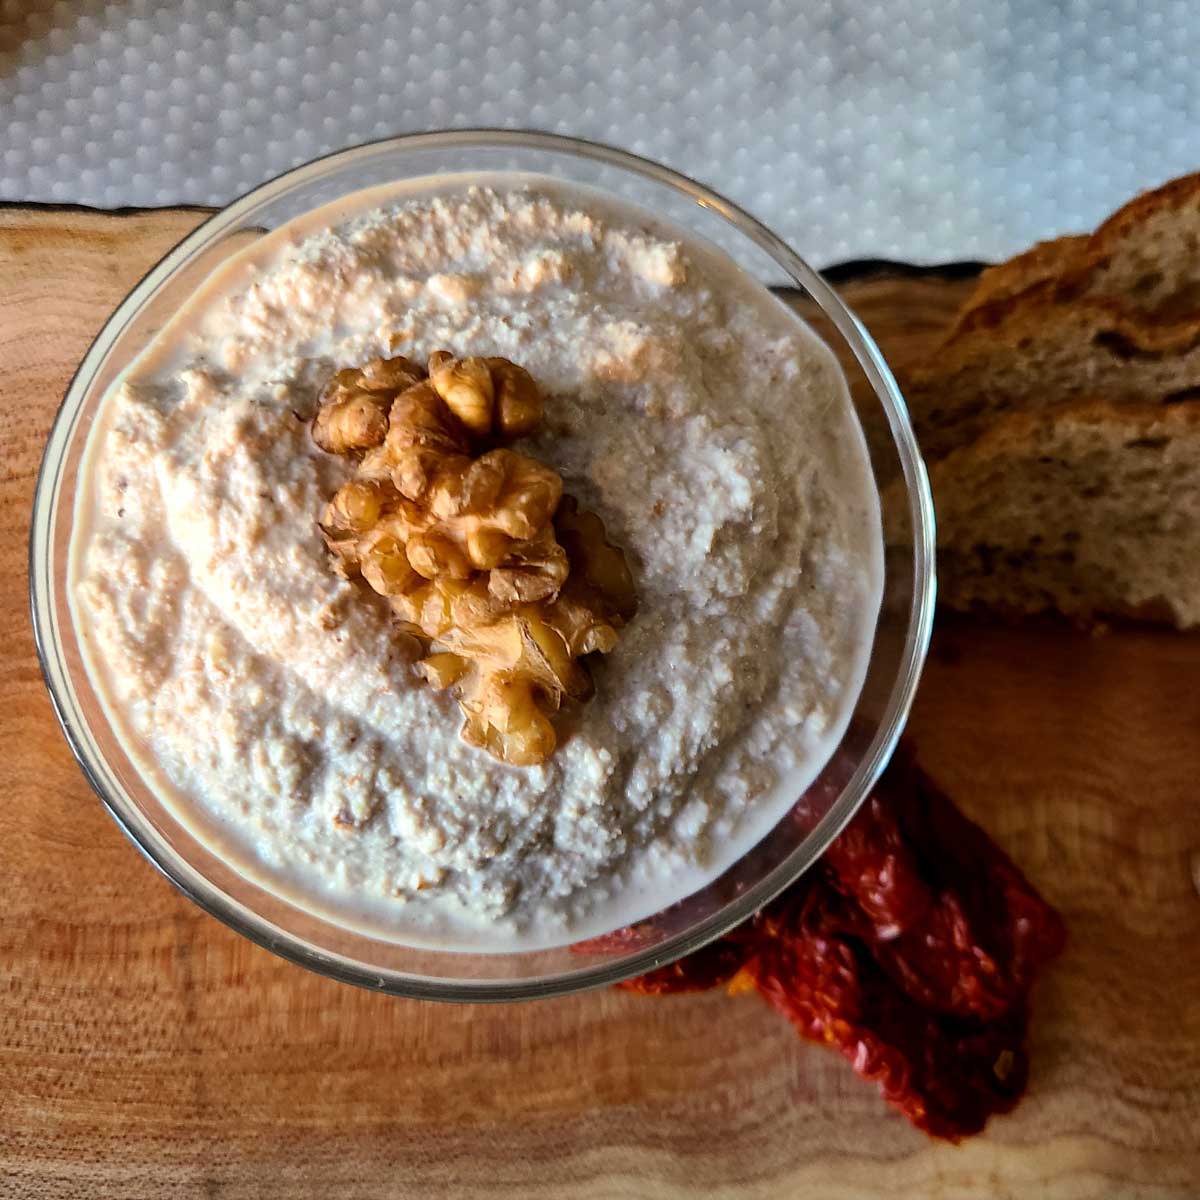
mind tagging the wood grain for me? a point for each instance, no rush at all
(147, 1051)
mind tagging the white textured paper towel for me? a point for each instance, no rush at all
(918, 129)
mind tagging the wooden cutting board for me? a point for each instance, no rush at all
(147, 1051)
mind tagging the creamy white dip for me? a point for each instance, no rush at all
(269, 701)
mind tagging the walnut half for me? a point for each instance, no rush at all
(490, 396)
(507, 583)
(354, 406)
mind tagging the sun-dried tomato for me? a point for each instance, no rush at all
(946, 1073)
(911, 947)
(949, 915)
(709, 967)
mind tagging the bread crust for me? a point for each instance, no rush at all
(1068, 267)
(981, 568)
(1048, 327)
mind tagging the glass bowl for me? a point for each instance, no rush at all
(800, 836)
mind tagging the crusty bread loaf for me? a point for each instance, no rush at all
(1091, 510)
(1145, 258)
(1040, 355)
(1046, 260)
(1113, 316)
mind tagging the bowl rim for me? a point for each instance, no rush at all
(883, 742)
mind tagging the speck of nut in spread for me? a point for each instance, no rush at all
(709, 430)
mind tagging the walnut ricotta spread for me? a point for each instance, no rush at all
(269, 699)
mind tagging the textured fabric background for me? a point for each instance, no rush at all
(917, 129)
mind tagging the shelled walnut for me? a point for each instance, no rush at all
(507, 583)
